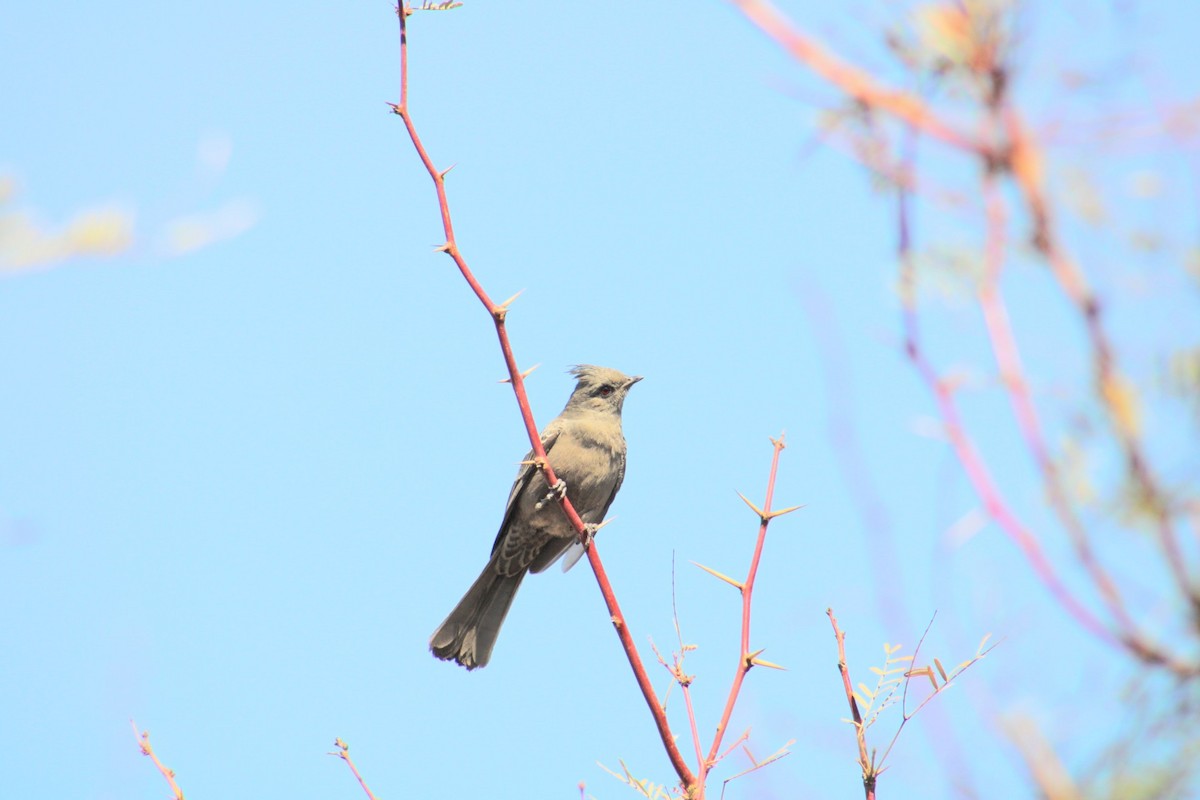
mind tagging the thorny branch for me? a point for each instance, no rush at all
(499, 313)
(746, 658)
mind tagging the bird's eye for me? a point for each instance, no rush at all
(606, 390)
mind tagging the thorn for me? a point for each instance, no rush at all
(397, 109)
(442, 248)
(755, 508)
(725, 578)
(442, 175)
(601, 525)
(524, 374)
(780, 443)
(758, 662)
(507, 302)
(783, 511)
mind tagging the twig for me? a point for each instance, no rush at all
(143, 739)
(869, 774)
(684, 680)
(343, 752)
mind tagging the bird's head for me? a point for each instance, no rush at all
(599, 389)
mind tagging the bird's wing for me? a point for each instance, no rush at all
(575, 551)
(524, 476)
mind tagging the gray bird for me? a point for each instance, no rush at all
(586, 448)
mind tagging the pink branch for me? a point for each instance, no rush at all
(1025, 164)
(1008, 358)
(989, 494)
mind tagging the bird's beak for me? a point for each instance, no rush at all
(633, 380)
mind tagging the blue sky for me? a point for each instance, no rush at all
(249, 462)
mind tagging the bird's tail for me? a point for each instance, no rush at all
(469, 633)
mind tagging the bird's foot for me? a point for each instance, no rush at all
(589, 533)
(556, 494)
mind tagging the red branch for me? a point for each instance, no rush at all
(746, 659)
(143, 739)
(498, 313)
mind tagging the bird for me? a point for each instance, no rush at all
(586, 449)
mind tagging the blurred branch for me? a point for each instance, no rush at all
(856, 82)
(1008, 359)
(1045, 768)
(499, 313)
(1112, 389)
(143, 739)
(975, 42)
(973, 464)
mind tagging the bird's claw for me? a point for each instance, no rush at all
(557, 493)
(589, 533)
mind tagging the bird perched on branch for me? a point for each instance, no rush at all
(586, 449)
